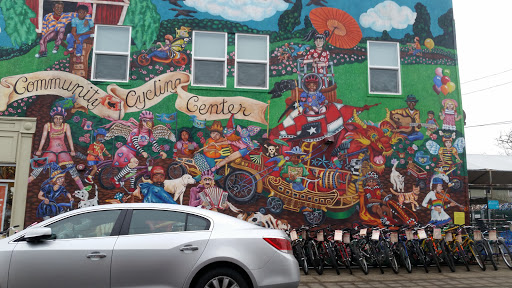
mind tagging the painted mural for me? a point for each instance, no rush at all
(315, 148)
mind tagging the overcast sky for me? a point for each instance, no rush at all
(484, 47)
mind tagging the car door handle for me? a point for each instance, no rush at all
(189, 248)
(96, 255)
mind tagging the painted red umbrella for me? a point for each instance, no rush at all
(343, 28)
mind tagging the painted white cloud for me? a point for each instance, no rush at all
(386, 16)
(239, 10)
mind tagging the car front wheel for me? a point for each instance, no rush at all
(221, 277)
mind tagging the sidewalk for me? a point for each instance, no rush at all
(418, 278)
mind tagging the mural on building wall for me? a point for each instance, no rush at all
(314, 148)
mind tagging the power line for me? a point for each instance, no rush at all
(486, 76)
(487, 88)
(490, 124)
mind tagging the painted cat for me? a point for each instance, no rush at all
(409, 197)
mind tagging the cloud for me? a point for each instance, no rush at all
(386, 16)
(239, 10)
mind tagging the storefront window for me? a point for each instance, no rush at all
(7, 174)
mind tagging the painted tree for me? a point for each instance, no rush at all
(145, 21)
(421, 26)
(447, 39)
(290, 18)
(307, 22)
(17, 22)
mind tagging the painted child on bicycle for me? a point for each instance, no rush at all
(95, 153)
(51, 190)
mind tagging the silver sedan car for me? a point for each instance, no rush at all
(147, 245)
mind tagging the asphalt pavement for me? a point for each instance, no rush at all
(418, 278)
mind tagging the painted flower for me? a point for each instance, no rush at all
(200, 134)
(433, 136)
(410, 150)
(76, 118)
(402, 161)
(202, 140)
(119, 144)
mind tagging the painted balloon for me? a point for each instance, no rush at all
(429, 43)
(436, 89)
(445, 79)
(439, 71)
(445, 90)
(451, 86)
(446, 72)
(437, 81)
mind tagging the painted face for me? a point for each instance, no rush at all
(59, 181)
(371, 182)
(411, 105)
(312, 86)
(82, 14)
(158, 178)
(57, 9)
(295, 159)
(448, 143)
(58, 119)
(184, 136)
(215, 135)
(450, 106)
(207, 182)
(430, 116)
(439, 188)
(147, 123)
(100, 137)
(319, 42)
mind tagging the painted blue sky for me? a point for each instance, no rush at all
(436, 8)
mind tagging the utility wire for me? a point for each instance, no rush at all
(487, 88)
(490, 124)
(486, 76)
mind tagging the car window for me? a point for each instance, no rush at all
(195, 222)
(92, 224)
(158, 221)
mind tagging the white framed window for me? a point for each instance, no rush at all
(251, 61)
(111, 56)
(384, 75)
(209, 58)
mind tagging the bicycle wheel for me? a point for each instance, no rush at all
(104, 176)
(485, 250)
(298, 252)
(420, 254)
(378, 255)
(446, 255)
(404, 257)
(461, 254)
(504, 251)
(332, 257)
(345, 252)
(472, 252)
(390, 256)
(315, 258)
(360, 260)
(432, 255)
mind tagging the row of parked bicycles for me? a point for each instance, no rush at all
(427, 246)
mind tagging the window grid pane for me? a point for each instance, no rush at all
(212, 45)
(251, 75)
(384, 81)
(113, 38)
(211, 73)
(383, 54)
(111, 67)
(251, 47)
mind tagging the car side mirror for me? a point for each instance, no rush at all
(38, 234)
